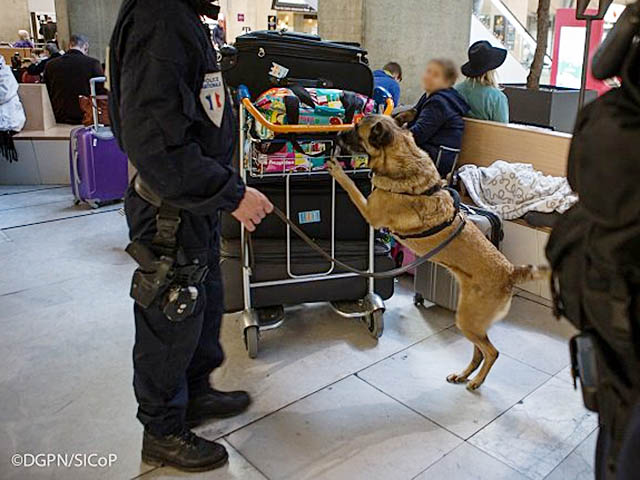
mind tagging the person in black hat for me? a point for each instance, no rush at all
(480, 89)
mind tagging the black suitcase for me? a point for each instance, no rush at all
(310, 208)
(269, 265)
(435, 283)
(311, 62)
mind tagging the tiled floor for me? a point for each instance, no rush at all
(329, 402)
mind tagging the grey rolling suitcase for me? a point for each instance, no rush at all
(436, 284)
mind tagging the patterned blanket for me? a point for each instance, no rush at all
(513, 189)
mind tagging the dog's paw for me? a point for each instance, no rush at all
(334, 167)
(474, 384)
(455, 378)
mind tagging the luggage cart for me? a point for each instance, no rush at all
(370, 309)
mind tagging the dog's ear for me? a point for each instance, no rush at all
(380, 135)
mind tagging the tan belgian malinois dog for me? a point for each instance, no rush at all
(407, 200)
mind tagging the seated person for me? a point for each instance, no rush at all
(39, 62)
(389, 78)
(480, 89)
(24, 40)
(67, 77)
(438, 114)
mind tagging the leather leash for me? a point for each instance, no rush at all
(381, 275)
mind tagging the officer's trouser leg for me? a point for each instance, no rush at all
(209, 354)
(170, 357)
(161, 356)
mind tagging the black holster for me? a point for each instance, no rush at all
(164, 271)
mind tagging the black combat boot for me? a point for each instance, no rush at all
(216, 404)
(184, 451)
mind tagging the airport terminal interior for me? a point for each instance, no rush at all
(348, 377)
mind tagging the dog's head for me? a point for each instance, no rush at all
(383, 140)
(371, 135)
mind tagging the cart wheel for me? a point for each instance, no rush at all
(251, 340)
(418, 300)
(375, 323)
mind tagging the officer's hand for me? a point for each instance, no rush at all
(252, 209)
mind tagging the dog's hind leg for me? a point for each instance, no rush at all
(473, 321)
(490, 354)
(472, 367)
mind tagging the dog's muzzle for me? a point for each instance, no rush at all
(350, 140)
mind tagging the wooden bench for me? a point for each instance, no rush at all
(42, 146)
(486, 142)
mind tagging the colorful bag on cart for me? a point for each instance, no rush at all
(310, 106)
(290, 155)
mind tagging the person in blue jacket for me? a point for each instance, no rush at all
(438, 121)
(389, 78)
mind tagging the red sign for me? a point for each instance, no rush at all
(241, 17)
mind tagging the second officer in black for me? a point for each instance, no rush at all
(172, 116)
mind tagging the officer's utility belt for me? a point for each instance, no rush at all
(165, 274)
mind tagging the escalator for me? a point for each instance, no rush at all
(495, 22)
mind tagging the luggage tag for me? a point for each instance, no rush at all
(213, 98)
(278, 71)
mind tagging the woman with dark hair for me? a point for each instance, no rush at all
(481, 89)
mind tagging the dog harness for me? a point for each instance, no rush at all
(438, 228)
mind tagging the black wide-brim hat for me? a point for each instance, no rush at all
(483, 57)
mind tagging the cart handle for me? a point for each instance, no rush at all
(245, 97)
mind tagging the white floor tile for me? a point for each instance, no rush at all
(237, 469)
(417, 377)
(348, 430)
(536, 435)
(530, 329)
(580, 464)
(314, 347)
(468, 463)
(36, 197)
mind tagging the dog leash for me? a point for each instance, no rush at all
(381, 275)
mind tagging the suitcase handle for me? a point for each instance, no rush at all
(245, 98)
(94, 101)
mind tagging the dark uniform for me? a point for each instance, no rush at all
(182, 146)
(594, 250)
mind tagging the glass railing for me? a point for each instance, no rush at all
(506, 27)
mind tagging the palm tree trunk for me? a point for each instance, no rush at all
(533, 80)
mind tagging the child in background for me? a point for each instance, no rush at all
(438, 122)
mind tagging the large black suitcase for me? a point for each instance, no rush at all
(311, 62)
(310, 208)
(269, 265)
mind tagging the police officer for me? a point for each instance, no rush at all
(594, 250)
(172, 116)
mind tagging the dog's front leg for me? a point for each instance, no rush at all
(356, 196)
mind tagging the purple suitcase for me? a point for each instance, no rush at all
(99, 172)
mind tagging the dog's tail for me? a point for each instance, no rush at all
(529, 273)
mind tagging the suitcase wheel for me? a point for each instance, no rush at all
(375, 323)
(418, 300)
(251, 340)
